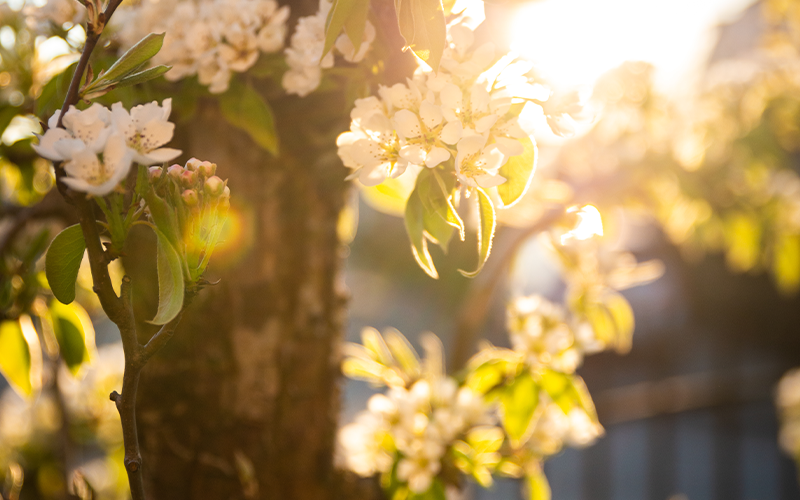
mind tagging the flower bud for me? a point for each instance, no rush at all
(175, 172)
(193, 164)
(188, 178)
(225, 199)
(214, 186)
(207, 169)
(190, 197)
(154, 173)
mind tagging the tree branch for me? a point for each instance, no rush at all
(473, 312)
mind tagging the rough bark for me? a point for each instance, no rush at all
(243, 402)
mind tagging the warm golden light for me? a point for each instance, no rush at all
(573, 42)
(589, 224)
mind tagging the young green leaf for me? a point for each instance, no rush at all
(337, 17)
(62, 262)
(486, 228)
(538, 487)
(518, 405)
(356, 22)
(415, 227)
(170, 281)
(422, 25)
(75, 334)
(244, 108)
(622, 315)
(519, 171)
(142, 76)
(16, 356)
(134, 58)
(403, 352)
(164, 217)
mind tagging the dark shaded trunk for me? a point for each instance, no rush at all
(243, 402)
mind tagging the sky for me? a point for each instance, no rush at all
(585, 38)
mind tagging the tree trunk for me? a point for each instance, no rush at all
(243, 402)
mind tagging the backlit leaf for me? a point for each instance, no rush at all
(518, 171)
(518, 405)
(134, 58)
(356, 22)
(74, 332)
(538, 487)
(170, 281)
(422, 25)
(786, 263)
(486, 228)
(18, 353)
(62, 262)
(337, 17)
(415, 227)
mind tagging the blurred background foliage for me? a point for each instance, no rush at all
(694, 181)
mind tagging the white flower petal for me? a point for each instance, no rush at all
(485, 123)
(436, 156)
(471, 144)
(452, 132)
(509, 147)
(407, 124)
(431, 114)
(413, 154)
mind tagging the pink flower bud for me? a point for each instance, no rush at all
(207, 169)
(188, 178)
(154, 173)
(190, 197)
(214, 186)
(175, 172)
(193, 164)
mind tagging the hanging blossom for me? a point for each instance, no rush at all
(98, 145)
(416, 423)
(305, 51)
(210, 38)
(454, 118)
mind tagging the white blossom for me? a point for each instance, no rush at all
(146, 129)
(210, 38)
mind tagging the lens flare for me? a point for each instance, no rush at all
(590, 224)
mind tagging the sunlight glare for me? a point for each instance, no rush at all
(573, 42)
(590, 224)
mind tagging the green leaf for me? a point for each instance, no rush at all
(786, 263)
(74, 332)
(142, 76)
(440, 216)
(518, 404)
(538, 487)
(16, 356)
(374, 343)
(356, 22)
(422, 25)
(403, 351)
(415, 227)
(568, 391)
(486, 228)
(244, 108)
(518, 171)
(337, 17)
(62, 262)
(170, 281)
(622, 316)
(164, 217)
(134, 58)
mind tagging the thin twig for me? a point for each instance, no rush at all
(473, 312)
(118, 309)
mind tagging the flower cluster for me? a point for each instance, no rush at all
(98, 145)
(416, 424)
(554, 429)
(454, 117)
(788, 403)
(539, 331)
(211, 38)
(304, 54)
(200, 200)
